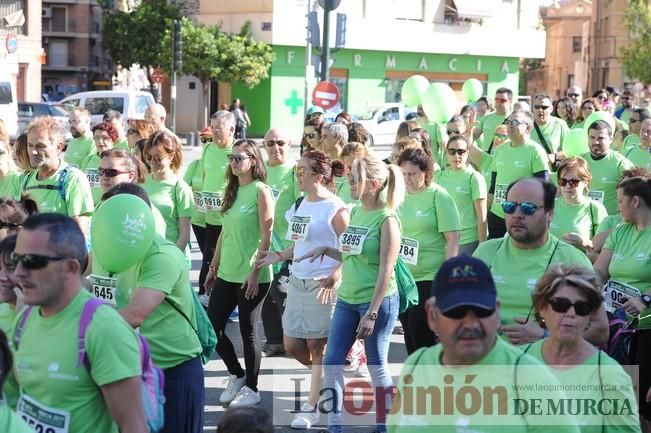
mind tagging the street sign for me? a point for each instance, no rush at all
(325, 95)
(157, 76)
(12, 43)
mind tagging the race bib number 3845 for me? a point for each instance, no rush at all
(352, 240)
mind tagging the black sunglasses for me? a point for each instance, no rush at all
(526, 207)
(453, 132)
(110, 172)
(572, 182)
(573, 95)
(33, 261)
(280, 143)
(562, 305)
(541, 107)
(462, 311)
(205, 140)
(459, 152)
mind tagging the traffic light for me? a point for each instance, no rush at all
(178, 46)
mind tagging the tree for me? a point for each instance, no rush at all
(138, 36)
(636, 56)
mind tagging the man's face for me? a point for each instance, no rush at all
(276, 146)
(502, 103)
(627, 100)
(645, 132)
(222, 131)
(154, 117)
(527, 229)
(575, 94)
(600, 141)
(634, 124)
(79, 124)
(542, 110)
(466, 340)
(41, 149)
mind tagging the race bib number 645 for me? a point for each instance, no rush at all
(352, 240)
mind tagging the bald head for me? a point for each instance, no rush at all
(156, 114)
(276, 144)
(276, 134)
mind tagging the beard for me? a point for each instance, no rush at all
(75, 132)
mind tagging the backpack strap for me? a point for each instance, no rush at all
(87, 313)
(61, 182)
(60, 185)
(21, 325)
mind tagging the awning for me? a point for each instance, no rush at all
(476, 8)
(15, 19)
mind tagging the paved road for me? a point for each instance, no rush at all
(278, 375)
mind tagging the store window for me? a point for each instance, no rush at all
(392, 89)
(576, 44)
(408, 9)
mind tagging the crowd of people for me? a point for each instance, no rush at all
(489, 240)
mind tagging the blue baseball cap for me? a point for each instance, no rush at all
(315, 109)
(464, 280)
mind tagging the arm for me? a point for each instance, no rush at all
(84, 224)
(142, 303)
(184, 233)
(451, 244)
(340, 223)
(214, 265)
(491, 190)
(125, 405)
(475, 154)
(481, 210)
(602, 264)
(597, 331)
(266, 223)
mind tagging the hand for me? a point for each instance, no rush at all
(267, 258)
(250, 286)
(209, 282)
(575, 239)
(316, 253)
(365, 327)
(634, 306)
(523, 332)
(327, 293)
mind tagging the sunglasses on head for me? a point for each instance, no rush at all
(459, 152)
(572, 182)
(562, 305)
(463, 310)
(526, 207)
(110, 172)
(502, 136)
(514, 122)
(279, 143)
(541, 107)
(33, 261)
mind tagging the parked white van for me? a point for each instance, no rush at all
(382, 121)
(132, 104)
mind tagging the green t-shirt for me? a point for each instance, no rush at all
(582, 218)
(343, 190)
(215, 163)
(171, 338)
(8, 316)
(625, 117)
(173, 198)
(283, 185)
(465, 187)
(122, 143)
(78, 149)
(241, 237)
(606, 173)
(194, 178)
(554, 132)
(512, 163)
(439, 137)
(578, 125)
(516, 271)
(78, 199)
(638, 156)
(631, 140)
(598, 371)
(610, 222)
(431, 400)
(425, 216)
(90, 167)
(487, 125)
(47, 371)
(10, 185)
(11, 422)
(360, 271)
(631, 260)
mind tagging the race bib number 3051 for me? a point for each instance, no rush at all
(41, 418)
(409, 250)
(352, 240)
(617, 293)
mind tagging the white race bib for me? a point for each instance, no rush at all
(500, 193)
(104, 288)
(42, 418)
(617, 293)
(212, 201)
(298, 228)
(597, 196)
(409, 250)
(93, 177)
(199, 202)
(352, 240)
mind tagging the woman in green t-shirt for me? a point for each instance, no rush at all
(576, 216)
(105, 137)
(9, 420)
(564, 299)
(10, 184)
(233, 278)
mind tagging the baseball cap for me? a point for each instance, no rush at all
(206, 131)
(464, 280)
(613, 90)
(315, 109)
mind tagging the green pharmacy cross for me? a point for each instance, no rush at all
(294, 102)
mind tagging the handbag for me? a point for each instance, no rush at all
(407, 289)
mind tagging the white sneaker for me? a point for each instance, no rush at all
(306, 418)
(233, 386)
(204, 299)
(246, 397)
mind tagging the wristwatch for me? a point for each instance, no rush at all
(646, 299)
(372, 315)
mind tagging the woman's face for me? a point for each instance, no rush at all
(572, 185)
(331, 143)
(132, 136)
(457, 154)
(561, 110)
(625, 206)
(240, 161)
(102, 141)
(566, 326)
(414, 176)
(7, 282)
(312, 137)
(114, 171)
(305, 177)
(587, 109)
(159, 159)
(500, 136)
(482, 108)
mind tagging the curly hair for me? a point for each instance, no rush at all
(109, 129)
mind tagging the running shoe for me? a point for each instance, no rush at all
(246, 397)
(306, 418)
(233, 386)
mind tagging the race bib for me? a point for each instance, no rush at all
(93, 176)
(212, 201)
(41, 418)
(500, 193)
(597, 196)
(105, 288)
(409, 250)
(198, 201)
(617, 293)
(352, 240)
(298, 228)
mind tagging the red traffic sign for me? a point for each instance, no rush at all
(157, 76)
(325, 95)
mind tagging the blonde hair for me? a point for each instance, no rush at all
(405, 143)
(392, 184)
(354, 149)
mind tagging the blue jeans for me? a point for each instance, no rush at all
(341, 338)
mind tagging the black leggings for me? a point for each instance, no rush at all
(200, 234)
(496, 226)
(642, 358)
(209, 245)
(223, 299)
(414, 321)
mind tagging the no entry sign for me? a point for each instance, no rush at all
(325, 95)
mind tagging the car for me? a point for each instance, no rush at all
(382, 121)
(29, 110)
(132, 104)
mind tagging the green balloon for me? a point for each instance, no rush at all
(439, 102)
(599, 115)
(472, 89)
(575, 143)
(413, 90)
(122, 231)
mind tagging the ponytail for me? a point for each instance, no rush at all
(392, 191)
(396, 184)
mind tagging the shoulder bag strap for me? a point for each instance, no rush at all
(18, 332)
(542, 138)
(182, 314)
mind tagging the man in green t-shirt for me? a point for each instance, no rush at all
(440, 387)
(549, 131)
(624, 113)
(638, 116)
(488, 123)
(640, 153)
(82, 144)
(59, 393)
(114, 117)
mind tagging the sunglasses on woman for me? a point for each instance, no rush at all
(33, 261)
(237, 158)
(110, 172)
(571, 182)
(562, 305)
(526, 207)
(459, 152)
